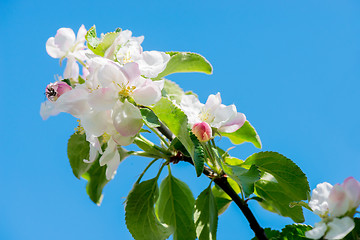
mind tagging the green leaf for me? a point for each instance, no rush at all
(178, 146)
(186, 62)
(271, 234)
(206, 215)
(221, 198)
(199, 155)
(147, 146)
(172, 91)
(175, 207)
(140, 213)
(99, 46)
(150, 118)
(282, 182)
(96, 177)
(246, 133)
(354, 234)
(176, 121)
(244, 177)
(295, 232)
(78, 150)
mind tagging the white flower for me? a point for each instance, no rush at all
(111, 158)
(317, 232)
(217, 115)
(319, 199)
(339, 228)
(65, 45)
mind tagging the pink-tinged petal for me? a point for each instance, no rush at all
(80, 37)
(338, 201)
(62, 87)
(110, 73)
(53, 50)
(74, 102)
(339, 228)
(152, 63)
(233, 123)
(102, 99)
(71, 69)
(352, 189)
(123, 141)
(213, 102)
(65, 39)
(54, 90)
(202, 131)
(131, 71)
(127, 119)
(222, 114)
(317, 232)
(319, 198)
(147, 94)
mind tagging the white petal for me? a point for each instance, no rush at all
(109, 153)
(48, 109)
(319, 198)
(102, 99)
(213, 102)
(111, 73)
(352, 188)
(80, 37)
(65, 39)
(147, 94)
(131, 71)
(53, 50)
(71, 69)
(74, 102)
(222, 114)
(112, 166)
(152, 63)
(317, 232)
(339, 228)
(191, 106)
(127, 119)
(96, 123)
(121, 140)
(95, 148)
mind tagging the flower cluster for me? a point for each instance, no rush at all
(107, 96)
(336, 205)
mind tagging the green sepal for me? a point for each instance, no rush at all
(99, 46)
(246, 133)
(206, 215)
(175, 207)
(186, 62)
(140, 216)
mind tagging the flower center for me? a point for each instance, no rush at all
(126, 90)
(51, 94)
(206, 116)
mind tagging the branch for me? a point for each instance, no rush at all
(222, 182)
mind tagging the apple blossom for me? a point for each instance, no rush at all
(54, 90)
(217, 115)
(335, 205)
(66, 45)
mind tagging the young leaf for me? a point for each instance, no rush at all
(282, 182)
(244, 177)
(206, 215)
(176, 121)
(199, 155)
(175, 207)
(78, 150)
(99, 46)
(140, 214)
(271, 234)
(96, 177)
(186, 62)
(221, 198)
(172, 91)
(246, 133)
(150, 118)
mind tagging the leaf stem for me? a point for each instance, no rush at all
(156, 131)
(148, 166)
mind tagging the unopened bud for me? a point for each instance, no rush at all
(202, 131)
(55, 90)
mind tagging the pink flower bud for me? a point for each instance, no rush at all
(54, 90)
(202, 131)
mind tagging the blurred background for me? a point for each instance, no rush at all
(291, 66)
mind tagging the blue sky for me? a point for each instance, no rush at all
(291, 66)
